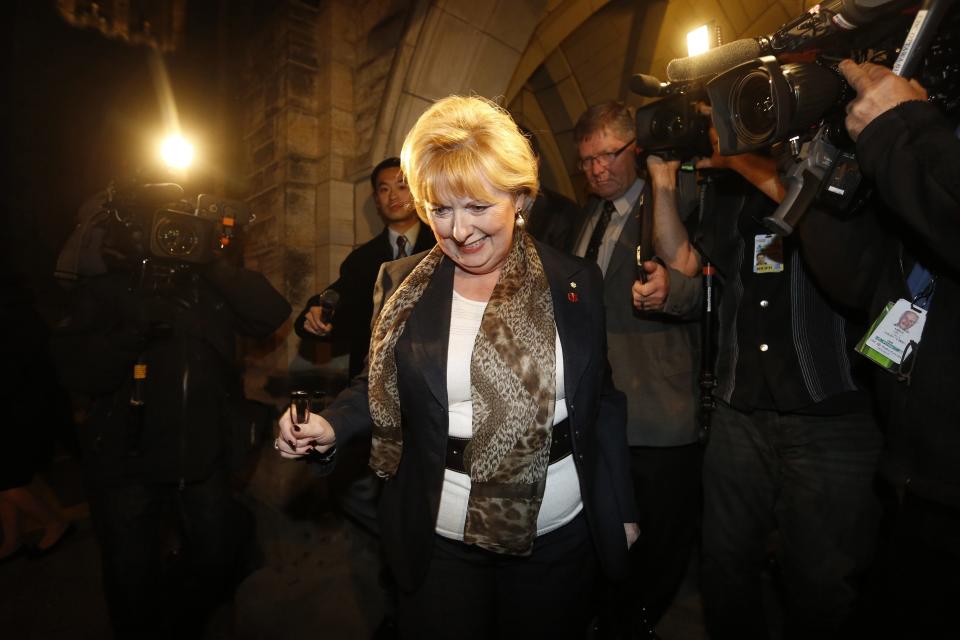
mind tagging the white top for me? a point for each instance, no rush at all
(618, 220)
(561, 496)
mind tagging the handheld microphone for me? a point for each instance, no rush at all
(328, 301)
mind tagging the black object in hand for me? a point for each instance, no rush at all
(299, 407)
(328, 301)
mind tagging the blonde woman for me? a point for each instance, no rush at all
(488, 394)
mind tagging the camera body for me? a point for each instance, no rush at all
(144, 222)
(673, 128)
(761, 102)
(793, 88)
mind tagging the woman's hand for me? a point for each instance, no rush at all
(297, 440)
(632, 529)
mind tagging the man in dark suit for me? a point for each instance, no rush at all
(652, 346)
(402, 236)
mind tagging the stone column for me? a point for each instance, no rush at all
(317, 75)
(299, 133)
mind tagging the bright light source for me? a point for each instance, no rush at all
(698, 40)
(177, 153)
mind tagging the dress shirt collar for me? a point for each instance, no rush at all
(410, 234)
(625, 203)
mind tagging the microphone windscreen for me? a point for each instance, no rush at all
(644, 85)
(713, 61)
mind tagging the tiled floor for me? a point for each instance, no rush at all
(318, 579)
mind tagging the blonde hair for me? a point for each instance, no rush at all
(464, 146)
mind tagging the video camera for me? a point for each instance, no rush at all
(672, 127)
(154, 221)
(136, 222)
(785, 88)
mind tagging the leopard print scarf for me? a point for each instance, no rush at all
(512, 385)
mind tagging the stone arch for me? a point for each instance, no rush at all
(464, 46)
(534, 56)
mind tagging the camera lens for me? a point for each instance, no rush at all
(175, 237)
(752, 107)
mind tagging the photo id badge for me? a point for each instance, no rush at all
(893, 334)
(767, 253)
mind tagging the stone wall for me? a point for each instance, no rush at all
(315, 73)
(334, 85)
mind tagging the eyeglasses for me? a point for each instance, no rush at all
(604, 159)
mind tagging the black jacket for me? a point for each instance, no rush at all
(410, 501)
(805, 367)
(358, 273)
(186, 334)
(554, 220)
(912, 156)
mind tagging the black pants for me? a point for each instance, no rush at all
(916, 582)
(668, 489)
(169, 554)
(472, 594)
(810, 480)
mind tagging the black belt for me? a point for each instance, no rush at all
(559, 447)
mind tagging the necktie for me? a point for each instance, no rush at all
(593, 247)
(401, 247)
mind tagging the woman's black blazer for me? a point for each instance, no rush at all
(597, 411)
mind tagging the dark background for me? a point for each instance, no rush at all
(81, 109)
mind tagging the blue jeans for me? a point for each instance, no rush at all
(810, 480)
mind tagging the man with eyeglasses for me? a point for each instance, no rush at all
(652, 345)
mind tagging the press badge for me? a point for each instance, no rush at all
(767, 253)
(893, 335)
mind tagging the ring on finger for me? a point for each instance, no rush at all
(276, 444)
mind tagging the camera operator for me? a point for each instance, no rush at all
(904, 247)
(157, 451)
(793, 447)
